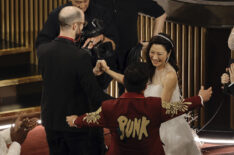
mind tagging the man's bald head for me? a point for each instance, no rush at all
(69, 15)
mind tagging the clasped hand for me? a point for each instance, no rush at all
(100, 67)
(225, 78)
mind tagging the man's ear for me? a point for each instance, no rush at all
(74, 26)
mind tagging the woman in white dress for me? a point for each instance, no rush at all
(176, 134)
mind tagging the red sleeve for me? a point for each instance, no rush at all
(93, 119)
(174, 109)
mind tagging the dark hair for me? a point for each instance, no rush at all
(168, 44)
(136, 77)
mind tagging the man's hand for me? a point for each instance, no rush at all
(205, 93)
(91, 42)
(71, 119)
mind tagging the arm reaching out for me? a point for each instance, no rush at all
(93, 119)
(117, 76)
(174, 109)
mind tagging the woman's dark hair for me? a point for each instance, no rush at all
(168, 44)
(136, 77)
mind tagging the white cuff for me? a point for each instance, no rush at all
(201, 100)
(230, 84)
(6, 134)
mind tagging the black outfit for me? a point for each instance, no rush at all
(69, 87)
(229, 89)
(51, 28)
(125, 13)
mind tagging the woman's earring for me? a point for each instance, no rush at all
(167, 59)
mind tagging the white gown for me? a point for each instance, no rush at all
(176, 133)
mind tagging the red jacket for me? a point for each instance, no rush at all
(134, 122)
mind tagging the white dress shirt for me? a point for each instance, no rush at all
(5, 139)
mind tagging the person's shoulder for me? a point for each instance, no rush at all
(171, 75)
(44, 46)
(100, 8)
(97, 5)
(153, 101)
(170, 78)
(81, 55)
(109, 105)
(156, 99)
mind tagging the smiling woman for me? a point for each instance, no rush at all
(163, 82)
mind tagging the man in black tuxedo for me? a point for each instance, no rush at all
(69, 86)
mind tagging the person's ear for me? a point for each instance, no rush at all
(75, 26)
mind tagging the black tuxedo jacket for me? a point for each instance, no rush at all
(229, 90)
(69, 85)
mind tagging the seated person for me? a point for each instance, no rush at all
(15, 136)
(133, 119)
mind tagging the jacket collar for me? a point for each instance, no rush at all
(65, 39)
(132, 95)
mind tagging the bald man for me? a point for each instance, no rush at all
(69, 86)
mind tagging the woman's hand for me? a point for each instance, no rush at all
(104, 66)
(97, 70)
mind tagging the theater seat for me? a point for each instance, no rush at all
(35, 143)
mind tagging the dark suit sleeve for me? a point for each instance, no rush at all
(150, 8)
(50, 29)
(89, 82)
(104, 80)
(229, 90)
(171, 110)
